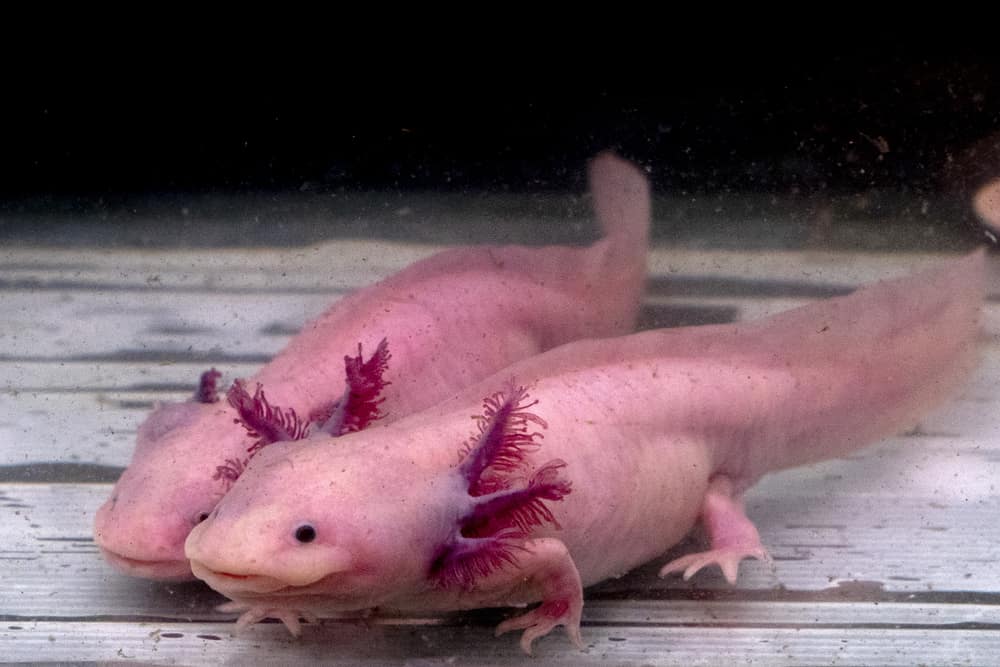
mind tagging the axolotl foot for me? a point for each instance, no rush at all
(732, 535)
(727, 558)
(253, 615)
(543, 619)
(545, 566)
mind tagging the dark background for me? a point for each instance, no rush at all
(739, 120)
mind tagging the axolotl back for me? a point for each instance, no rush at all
(595, 458)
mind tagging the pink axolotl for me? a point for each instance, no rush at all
(449, 320)
(986, 204)
(598, 457)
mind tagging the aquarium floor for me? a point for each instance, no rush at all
(886, 557)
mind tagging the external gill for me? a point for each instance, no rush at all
(229, 472)
(501, 513)
(359, 405)
(267, 423)
(518, 509)
(353, 411)
(208, 389)
(465, 560)
(502, 440)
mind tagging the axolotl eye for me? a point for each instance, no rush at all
(305, 533)
(198, 517)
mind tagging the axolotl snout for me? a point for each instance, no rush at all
(584, 462)
(448, 321)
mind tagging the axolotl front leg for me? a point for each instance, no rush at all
(490, 558)
(544, 569)
(732, 536)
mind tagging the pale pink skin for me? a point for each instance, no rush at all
(659, 430)
(450, 320)
(986, 204)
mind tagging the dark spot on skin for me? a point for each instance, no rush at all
(305, 533)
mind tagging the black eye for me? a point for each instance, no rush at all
(305, 533)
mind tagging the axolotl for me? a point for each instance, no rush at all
(449, 320)
(584, 462)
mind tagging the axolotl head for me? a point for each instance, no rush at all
(188, 454)
(316, 525)
(166, 489)
(402, 516)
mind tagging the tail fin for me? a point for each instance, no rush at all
(621, 201)
(986, 204)
(592, 291)
(620, 192)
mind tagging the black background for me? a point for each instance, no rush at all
(734, 119)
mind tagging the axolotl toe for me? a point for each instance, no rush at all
(598, 457)
(450, 320)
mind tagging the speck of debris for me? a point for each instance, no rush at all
(213, 637)
(617, 639)
(171, 635)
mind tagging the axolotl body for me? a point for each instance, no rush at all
(584, 462)
(448, 321)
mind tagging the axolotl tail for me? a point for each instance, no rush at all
(861, 367)
(623, 209)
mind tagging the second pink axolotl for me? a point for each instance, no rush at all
(433, 328)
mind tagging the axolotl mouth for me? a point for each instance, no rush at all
(161, 570)
(244, 584)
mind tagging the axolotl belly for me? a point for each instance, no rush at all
(448, 321)
(584, 462)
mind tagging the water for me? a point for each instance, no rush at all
(131, 260)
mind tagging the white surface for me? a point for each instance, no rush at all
(887, 557)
